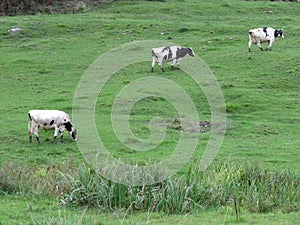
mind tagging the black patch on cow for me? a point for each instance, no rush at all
(73, 134)
(265, 30)
(170, 55)
(181, 52)
(52, 121)
(278, 33)
(29, 117)
(45, 124)
(68, 126)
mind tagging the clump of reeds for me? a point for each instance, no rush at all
(237, 185)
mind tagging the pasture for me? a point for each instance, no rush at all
(42, 65)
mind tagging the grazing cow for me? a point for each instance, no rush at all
(13, 30)
(169, 53)
(48, 120)
(260, 35)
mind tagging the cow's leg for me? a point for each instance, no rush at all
(30, 128)
(55, 134)
(30, 131)
(36, 133)
(38, 139)
(54, 140)
(160, 65)
(269, 46)
(249, 45)
(61, 136)
(30, 135)
(153, 64)
(258, 44)
(177, 62)
(173, 63)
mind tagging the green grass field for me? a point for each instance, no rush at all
(42, 65)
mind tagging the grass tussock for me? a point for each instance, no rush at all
(33, 180)
(239, 185)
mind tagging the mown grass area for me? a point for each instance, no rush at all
(42, 65)
(42, 211)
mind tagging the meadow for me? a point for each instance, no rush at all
(42, 65)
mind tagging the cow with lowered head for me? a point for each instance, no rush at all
(260, 35)
(49, 120)
(169, 53)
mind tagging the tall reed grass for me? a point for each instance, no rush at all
(238, 185)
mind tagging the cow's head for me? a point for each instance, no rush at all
(72, 131)
(191, 52)
(279, 33)
(73, 135)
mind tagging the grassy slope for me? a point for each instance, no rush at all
(43, 64)
(41, 67)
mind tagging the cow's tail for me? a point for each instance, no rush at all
(250, 33)
(29, 123)
(153, 54)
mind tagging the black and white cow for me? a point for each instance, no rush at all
(49, 120)
(260, 35)
(169, 53)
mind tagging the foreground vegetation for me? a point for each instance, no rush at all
(50, 184)
(238, 188)
(239, 185)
